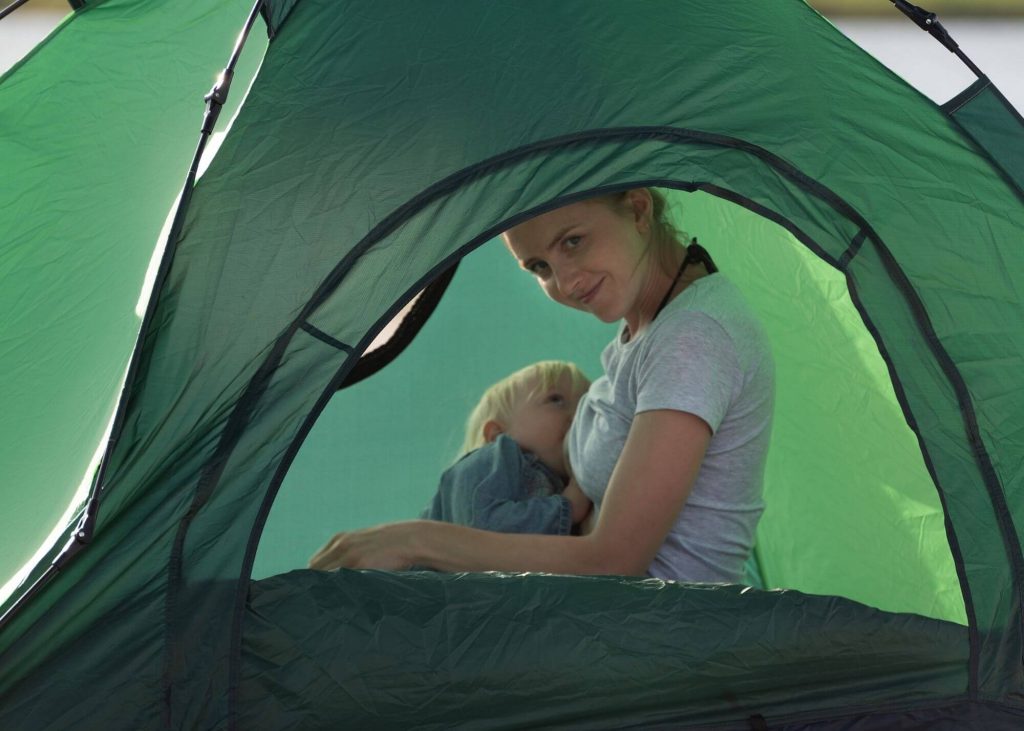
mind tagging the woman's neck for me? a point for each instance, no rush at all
(657, 291)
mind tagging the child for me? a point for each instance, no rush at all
(513, 475)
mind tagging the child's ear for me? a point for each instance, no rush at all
(491, 430)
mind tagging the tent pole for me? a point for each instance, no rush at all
(11, 8)
(82, 534)
(929, 22)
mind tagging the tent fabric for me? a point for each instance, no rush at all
(991, 121)
(476, 649)
(380, 144)
(74, 257)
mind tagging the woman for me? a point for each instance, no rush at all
(681, 417)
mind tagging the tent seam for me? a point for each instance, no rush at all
(981, 150)
(974, 639)
(324, 337)
(967, 95)
(241, 595)
(852, 251)
(990, 478)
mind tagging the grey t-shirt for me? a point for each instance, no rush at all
(705, 354)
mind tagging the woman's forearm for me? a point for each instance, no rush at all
(451, 547)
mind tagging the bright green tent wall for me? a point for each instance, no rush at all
(379, 144)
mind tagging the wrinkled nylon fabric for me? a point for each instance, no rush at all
(989, 120)
(92, 161)
(479, 649)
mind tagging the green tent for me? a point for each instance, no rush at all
(166, 385)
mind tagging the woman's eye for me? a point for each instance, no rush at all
(539, 268)
(572, 242)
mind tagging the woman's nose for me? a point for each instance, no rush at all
(567, 279)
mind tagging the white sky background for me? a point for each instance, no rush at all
(995, 45)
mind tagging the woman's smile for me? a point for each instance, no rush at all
(588, 297)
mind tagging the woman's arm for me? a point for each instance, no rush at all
(648, 488)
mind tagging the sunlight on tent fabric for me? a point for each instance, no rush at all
(213, 145)
(81, 346)
(154, 262)
(62, 529)
(161, 243)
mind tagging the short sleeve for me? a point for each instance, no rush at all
(487, 489)
(689, 365)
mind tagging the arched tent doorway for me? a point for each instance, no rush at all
(836, 407)
(313, 227)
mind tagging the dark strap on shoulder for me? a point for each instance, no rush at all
(697, 254)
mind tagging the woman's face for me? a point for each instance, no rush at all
(591, 255)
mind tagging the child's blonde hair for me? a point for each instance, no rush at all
(500, 399)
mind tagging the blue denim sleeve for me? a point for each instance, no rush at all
(492, 488)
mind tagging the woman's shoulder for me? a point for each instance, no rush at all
(714, 295)
(701, 307)
(713, 298)
(712, 313)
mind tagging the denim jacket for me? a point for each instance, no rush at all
(500, 487)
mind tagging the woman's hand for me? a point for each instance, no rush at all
(580, 503)
(386, 547)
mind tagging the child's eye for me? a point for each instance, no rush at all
(571, 242)
(556, 398)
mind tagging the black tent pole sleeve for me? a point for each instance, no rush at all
(929, 22)
(11, 8)
(82, 534)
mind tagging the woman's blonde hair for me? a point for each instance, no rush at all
(664, 235)
(500, 399)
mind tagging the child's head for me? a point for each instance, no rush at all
(534, 406)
